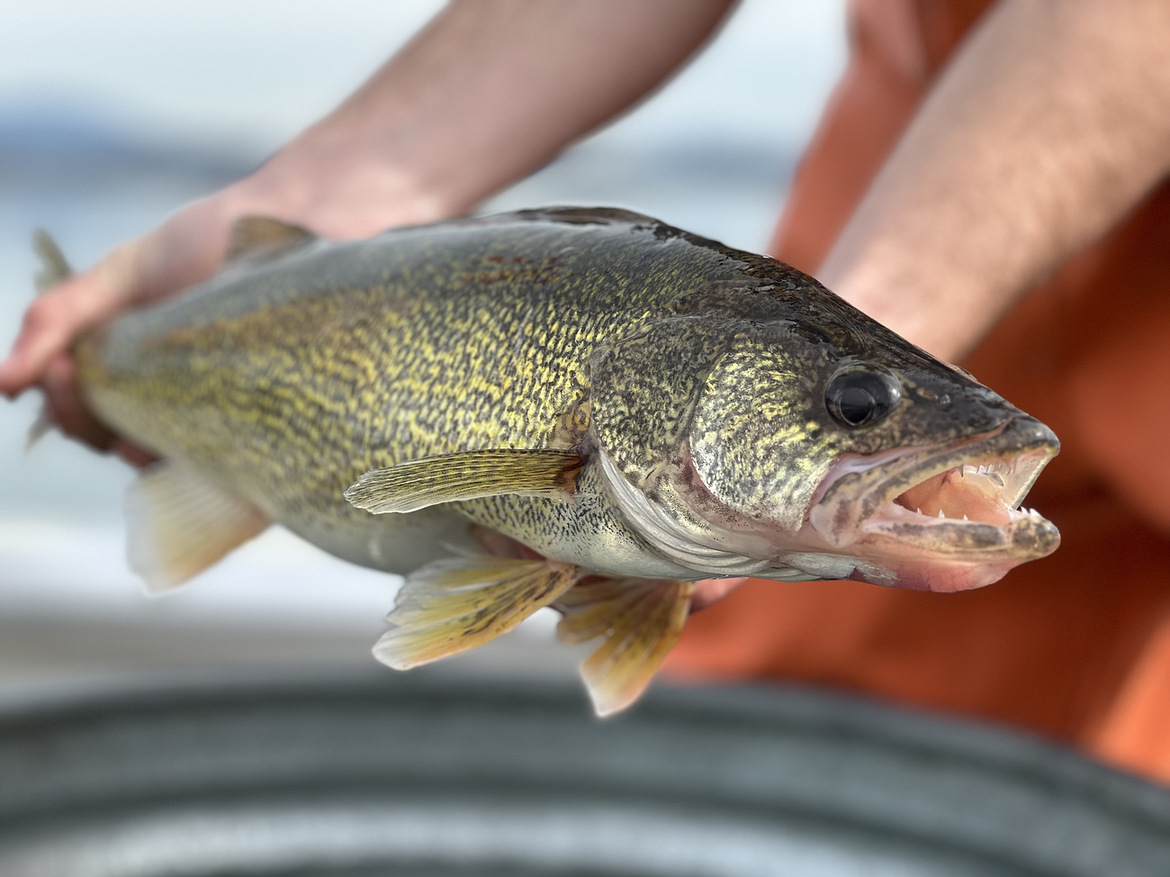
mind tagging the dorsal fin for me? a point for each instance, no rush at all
(262, 237)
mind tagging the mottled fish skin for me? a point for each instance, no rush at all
(289, 380)
(641, 407)
(286, 380)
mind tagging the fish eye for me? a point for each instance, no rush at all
(861, 396)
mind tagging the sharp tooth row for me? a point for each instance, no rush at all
(1029, 513)
(986, 469)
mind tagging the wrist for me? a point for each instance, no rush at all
(339, 190)
(945, 317)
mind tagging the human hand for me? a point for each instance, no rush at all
(1021, 155)
(182, 251)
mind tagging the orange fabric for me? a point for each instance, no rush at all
(1076, 646)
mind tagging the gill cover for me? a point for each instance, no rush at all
(647, 389)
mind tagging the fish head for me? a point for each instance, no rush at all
(821, 445)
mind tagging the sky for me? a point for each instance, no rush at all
(254, 73)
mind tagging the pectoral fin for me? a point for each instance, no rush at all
(180, 523)
(449, 606)
(417, 484)
(640, 620)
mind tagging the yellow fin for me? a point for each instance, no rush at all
(640, 619)
(261, 237)
(452, 605)
(180, 524)
(54, 267)
(417, 484)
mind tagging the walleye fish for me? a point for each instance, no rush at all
(638, 406)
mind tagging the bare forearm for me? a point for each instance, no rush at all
(1049, 126)
(487, 93)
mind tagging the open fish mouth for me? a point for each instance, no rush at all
(961, 502)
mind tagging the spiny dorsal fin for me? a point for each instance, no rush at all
(54, 267)
(640, 620)
(417, 484)
(455, 604)
(180, 523)
(261, 237)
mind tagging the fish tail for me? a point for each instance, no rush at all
(54, 266)
(54, 269)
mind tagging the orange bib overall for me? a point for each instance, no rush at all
(1075, 646)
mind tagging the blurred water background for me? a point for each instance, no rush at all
(114, 114)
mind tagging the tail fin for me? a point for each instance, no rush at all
(54, 267)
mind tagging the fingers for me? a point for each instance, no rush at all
(57, 317)
(709, 591)
(67, 409)
(132, 454)
(184, 250)
(63, 398)
(47, 329)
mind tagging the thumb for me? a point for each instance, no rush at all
(59, 315)
(184, 250)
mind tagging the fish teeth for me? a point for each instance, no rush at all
(940, 513)
(965, 518)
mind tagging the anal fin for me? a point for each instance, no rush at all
(180, 524)
(455, 604)
(640, 620)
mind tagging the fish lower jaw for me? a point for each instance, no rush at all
(945, 522)
(1023, 535)
(970, 511)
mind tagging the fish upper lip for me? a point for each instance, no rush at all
(989, 474)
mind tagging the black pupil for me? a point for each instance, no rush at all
(856, 405)
(860, 396)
